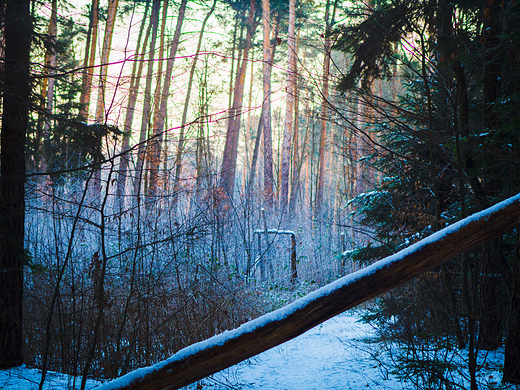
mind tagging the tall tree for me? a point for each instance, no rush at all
(202, 146)
(105, 55)
(449, 142)
(147, 105)
(137, 70)
(266, 106)
(180, 145)
(256, 149)
(229, 159)
(509, 114)
(329, 22)
(512, 344)
(298, 155)
(50, 63)
(16, 90)
(290, 108)
(491, 330)
(89, 60)
(154, 154)
(48, 83)
(101, 114)
(160, 109)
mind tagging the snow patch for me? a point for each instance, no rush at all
(24, 378)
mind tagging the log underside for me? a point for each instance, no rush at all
(355, 289)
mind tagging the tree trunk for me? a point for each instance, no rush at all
(16, 91)
(147, 105)
(137, 70)
(512, 348)
(463, 109)
(105, 54)
(297, 159)
(88, 62)
(248, 124)
(101, 115)
(289, 113)
(202, 152)
(229, 159)
(180, 146)
(254, 160)
(219, 352)
(266, 107)
(154, 152)
(492, 66)
(50, 65)
(490, 332)
(44, 121)
(160, 110)
(233, 60)
(318, 208)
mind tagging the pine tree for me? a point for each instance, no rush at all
(15, 114)
(439, 156)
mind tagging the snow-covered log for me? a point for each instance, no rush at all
(224, 350)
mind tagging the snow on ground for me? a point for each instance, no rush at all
(337, 354)
(24, 378)
(325, 357)
(293, 309)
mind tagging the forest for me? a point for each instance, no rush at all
(173, 169)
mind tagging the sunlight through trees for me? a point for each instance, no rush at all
(149, 148)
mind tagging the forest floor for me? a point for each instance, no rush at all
(342, 353)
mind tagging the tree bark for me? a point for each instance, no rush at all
(289, 111)
(491, 332)
(256, 149)
(105, 54)
(160, 111)
(147, 105)
(229, 159)
(233, 60)
(88, 62)
(137, 70)
(296, 166)
(15, 110)
(50, 65)
(180, 146)
(154, 153)
(101, 115)
(512, 347)
(318, 208)
(297, 153)
(266, 107)
(202, 151)
(44, 120)
(492, 66)
(210, 356)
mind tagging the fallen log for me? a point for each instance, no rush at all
(231, 347)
